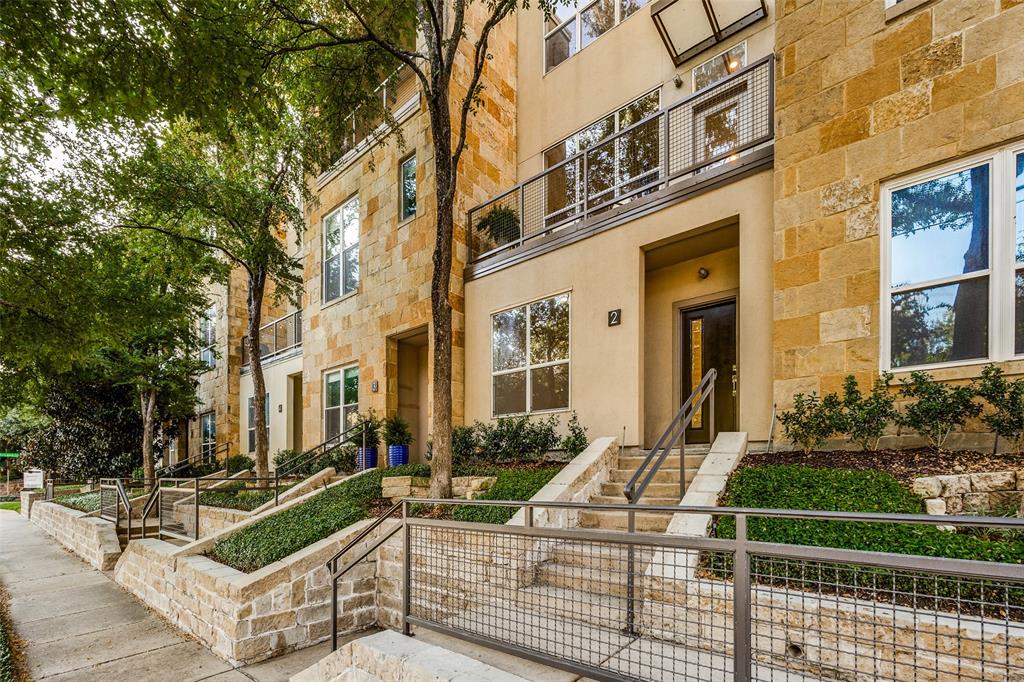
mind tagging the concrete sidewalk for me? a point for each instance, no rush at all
(78, 624)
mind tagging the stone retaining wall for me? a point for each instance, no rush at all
(28, 499)
(212, 520)
(91, 538)
(395, 488)
(980, 493)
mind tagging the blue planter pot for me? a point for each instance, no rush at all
(366, 458)
(398, 455)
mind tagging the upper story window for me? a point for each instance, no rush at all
(407, 186)
(208, 337)
(720, 66)
(635, 111)
(530, 357)
(954, 264)
(341, 403)
(341, 250)
(252, 420)
(574, 24)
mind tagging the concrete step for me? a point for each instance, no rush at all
(661, 476)
(692, 460)
(615, 489)
(614, 558)
(593, 580)
(602, 610)
(646, 522)
(646, 499)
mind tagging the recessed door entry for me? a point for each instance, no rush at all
(709, 340)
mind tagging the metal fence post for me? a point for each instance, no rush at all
(741, 603)
(196, 532)
(333, 568)
(630, 578)
(406, 569)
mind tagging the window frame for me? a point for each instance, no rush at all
(528, 366)
(743, 65)
(250, 426)
(208, 337)
(207, 448)
(402, 217)
(342, 406)
(581, 7)
(354, 198)
(1002, 263)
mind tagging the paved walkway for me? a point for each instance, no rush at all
(78, 624)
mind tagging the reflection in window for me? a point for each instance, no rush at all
(208, 337)
(408, 188)
(341, 401)
(1019, 223)
(1019, 314)
(530, 357)
(208, 434)
(341, 250)
(252, 420)
(720, 66)
(566, 31)
(940, 235)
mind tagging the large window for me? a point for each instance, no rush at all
(407, 183)
(530, 357)
(574, 24)
(954, 264)
(252, 420)
(208, 337)
(720, 66)
(341, 250)
(341, 404)
(208, 434)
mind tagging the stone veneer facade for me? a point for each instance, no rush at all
(91, 538)
(860, 100)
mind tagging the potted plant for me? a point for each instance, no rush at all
(367, 439)
(398, 436)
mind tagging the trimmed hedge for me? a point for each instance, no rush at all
(511, 484)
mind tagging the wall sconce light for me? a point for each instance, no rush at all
(677, 80)
(703, 273)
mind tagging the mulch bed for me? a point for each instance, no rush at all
(904, 465)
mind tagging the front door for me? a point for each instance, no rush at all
(709, 340)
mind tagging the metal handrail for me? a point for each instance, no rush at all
(674, 433)
(200, 458)
(289, 466)
(295, 317)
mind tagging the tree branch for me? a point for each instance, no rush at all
(188, 238)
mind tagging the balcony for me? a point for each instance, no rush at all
(712, 128)
(278, 339)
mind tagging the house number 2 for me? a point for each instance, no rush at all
(615, 317)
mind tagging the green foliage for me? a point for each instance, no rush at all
(238, 497)
(464, 444)
(865, 418)
(516, 439)
(237, 463)
(813, 420)
(1006, 400)
(397, 431)
(138, 473)
(341, 457)
(938, 409)
(797, 487)
(6, 648)
(499, 225)
(84, 502)
(511, 484)
(372, 425)
(11, 506)
(575, 441)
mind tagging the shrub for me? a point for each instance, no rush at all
(372, 424)
(812, 420)
(464, 444)
(237, 463)
(575, 441)
(397, 432)
(341, 457)
(138, 473)
(938, 409)
(865, 418)
(238, 497)
(83, 502)
(511, 484)
(516, 439)
(1006, 398)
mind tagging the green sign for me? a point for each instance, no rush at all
(8, 454)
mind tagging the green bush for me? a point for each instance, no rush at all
(464, 444)
(812, 420)
(373, 424)
(516, 439)
(84, 502)
(233, 496)
(938, 408)
(237, 463)
(6, 649)
(575, 441)
(511, 484)
(865, 418)
(1006, 400)
(397, 431)
(138, 473)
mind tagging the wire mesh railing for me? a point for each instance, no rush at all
(700, 132)
(277, 338)
(719, 608)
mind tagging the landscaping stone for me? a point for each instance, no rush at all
(1000, 480)
(927, 487)
(935, 506)
(976, 493)
(468, 487)
(954, 485)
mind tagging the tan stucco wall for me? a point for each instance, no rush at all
(624, 63)
(860, 100)
(606, 271)
(276, 377)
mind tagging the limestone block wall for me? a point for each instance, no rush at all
(470, 487)
(860, 100)
(91, 538)
(979, 493)
(211, 519)
(28, 499)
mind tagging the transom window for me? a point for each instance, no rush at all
(341, 250)
(954, 264)
(252, 420)
(407, 182)
(720, 66)
(341, 403)
(208, 337)
(208, 434)
(574, 24)
(530, 357)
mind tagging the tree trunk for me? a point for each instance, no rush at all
(440, 299)
(147, 404)
(257, 284)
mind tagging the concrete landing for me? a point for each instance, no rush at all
(78, 624)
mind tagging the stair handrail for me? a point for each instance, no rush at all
(154, 495)
(169, 470)
(292, 464)
(332, 563)
(672, 434)
(124, 501)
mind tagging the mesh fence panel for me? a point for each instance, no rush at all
(108, 502)
(178, 511)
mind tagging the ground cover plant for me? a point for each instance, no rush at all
(238, 496)
(511, 484)
(11, 662)
(83, 502)
(11, 506)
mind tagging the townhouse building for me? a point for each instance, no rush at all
(786, 192)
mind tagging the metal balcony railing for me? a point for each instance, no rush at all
(709, 128)
(278, 337)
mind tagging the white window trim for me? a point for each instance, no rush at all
(581, 7)
(1002, 258)
(527, 367)
(340, 370)
(323, 250)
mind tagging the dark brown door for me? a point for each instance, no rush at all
(709, 340)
